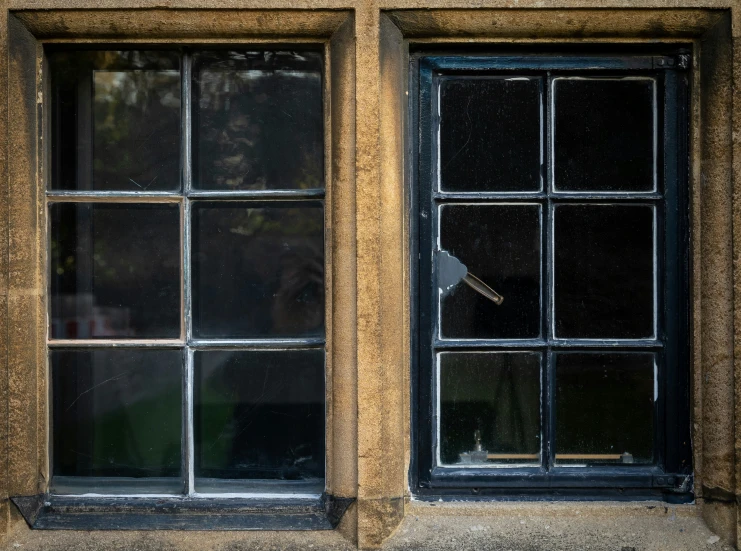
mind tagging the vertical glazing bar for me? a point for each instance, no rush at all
(548, 378)
(187, 184)
(188, 446)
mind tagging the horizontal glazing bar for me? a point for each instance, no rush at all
(175, 343)
(220, 488)
(257, 343)
(453, 344)
(115, 343)
(113, 197)
(553, 63)
(473, 195)
(258, 194)
(88, 486)
(607, 197)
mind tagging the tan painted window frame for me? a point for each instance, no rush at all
(30, 31)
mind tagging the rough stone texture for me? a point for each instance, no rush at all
(368, 406)
(552, 527)
(159, 23)
(457, 526)
(4, 479)
(716, 297)
(24, 266)
(524, 23)
(341, 233)
(737, 265)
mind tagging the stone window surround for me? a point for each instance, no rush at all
(367, 44)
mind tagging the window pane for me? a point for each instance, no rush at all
(490, 134)
(499, 244)
(604, 271)
(258, 120)
(116, 123)
(258, 269)
(117, 413)
(604, 407)
(259, 414)
(604, 134)
(489, 407)
(115, 270)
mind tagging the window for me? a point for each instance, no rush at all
(552, 275)
(186, 272)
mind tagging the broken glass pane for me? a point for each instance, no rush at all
(604, 134)
(258, 269)
(605, 407)
(604, 271)
(116, 121)
(259, 414)
(489, 407)
(490, 134)
(258, 120)
(117, 413)
(115, 270)
(500, 245)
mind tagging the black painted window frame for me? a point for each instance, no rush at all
(670, 477)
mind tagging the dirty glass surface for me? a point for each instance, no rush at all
(604, 271)
(115, 270)
(116, 121)
(489, 408)
(605, 407)
(500, 245)
(116, 413)
(258, 120)
(259, 414)
(604, 134)
(258, 269)
(155, 277)
(490, 134)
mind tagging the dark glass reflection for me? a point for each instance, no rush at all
(490, 134)
(115, 270)
(259, 414)
(489, 401)
(117, 413)
(604, 408)
(258, 269)
(116, 120)
(604, 135)
(499, 244)
(604, 271)
(258, 120)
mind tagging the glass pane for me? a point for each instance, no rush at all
(604, 271)
(116, 121)
(490, 134)
(604, 134)
(259, 414)
(117, 413)
(500, 245)
(605, 407)
(258, 120)
(489, 407)
(115, 270)
(258, 269)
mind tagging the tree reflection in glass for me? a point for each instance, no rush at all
(116, 121)
(258, 120)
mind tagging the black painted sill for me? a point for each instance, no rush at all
(48, 512)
